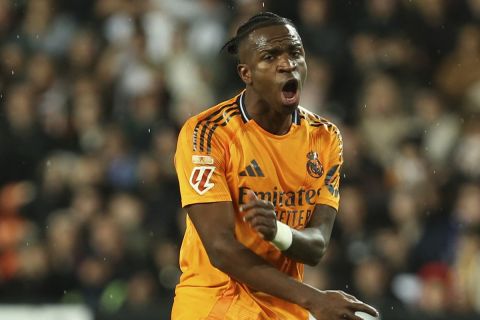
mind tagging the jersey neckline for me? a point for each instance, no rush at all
(247, 119)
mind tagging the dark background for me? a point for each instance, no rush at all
(93, 93)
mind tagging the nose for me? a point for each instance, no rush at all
(287, 64)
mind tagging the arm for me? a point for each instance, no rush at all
(308, 245)
(215, 223)
(230, 256)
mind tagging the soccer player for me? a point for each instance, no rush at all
(259, 178)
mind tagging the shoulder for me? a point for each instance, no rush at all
(215, 124)
(318, 124)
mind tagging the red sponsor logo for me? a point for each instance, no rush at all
(200, 179)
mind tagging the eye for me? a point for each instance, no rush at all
(267, 57)
(296, 53)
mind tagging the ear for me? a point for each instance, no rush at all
(245, 73)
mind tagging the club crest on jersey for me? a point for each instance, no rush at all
(200, 179)
(314, 166)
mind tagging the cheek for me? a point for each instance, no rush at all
(303, 71)
(261, 77)
(263, 69)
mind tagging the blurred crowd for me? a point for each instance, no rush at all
(93, 93)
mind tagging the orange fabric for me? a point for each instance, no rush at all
(222, 305)
(221, 153)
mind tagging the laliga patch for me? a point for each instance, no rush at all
(200, 179)
(202, 160)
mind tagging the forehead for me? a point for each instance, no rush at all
(272, 36)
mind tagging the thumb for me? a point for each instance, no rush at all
(251, 195)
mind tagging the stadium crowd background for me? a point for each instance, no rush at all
(92, 95)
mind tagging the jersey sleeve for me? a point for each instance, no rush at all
(329, 193)
(201, 174)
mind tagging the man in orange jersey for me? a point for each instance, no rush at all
(259, 178)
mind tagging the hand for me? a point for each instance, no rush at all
(260, 214)
(338, 305)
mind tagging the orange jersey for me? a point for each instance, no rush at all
(221, 153)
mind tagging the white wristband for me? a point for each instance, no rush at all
(284, 237)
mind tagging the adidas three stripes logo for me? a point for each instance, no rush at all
(252, 170)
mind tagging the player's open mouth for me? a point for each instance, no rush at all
(290, 93)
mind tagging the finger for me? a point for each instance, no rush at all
(349, 296)
(262, 223)
(359, 306)
(261, 230)
(260, 212)
(268, 205)
(250, 205)
(256, 203)
(253, 200)
(251, 196)
(342, 295)
(258, 222)
(349, 316)
(265, 232)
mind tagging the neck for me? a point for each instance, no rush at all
(265, 115)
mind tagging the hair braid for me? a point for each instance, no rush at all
(257, 21)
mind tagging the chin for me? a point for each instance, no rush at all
(289, 108)
(289, 105)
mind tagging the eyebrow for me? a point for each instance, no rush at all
(296, 45)
(269, 50)
(276, 48)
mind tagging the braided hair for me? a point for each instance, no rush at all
(257, 21)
